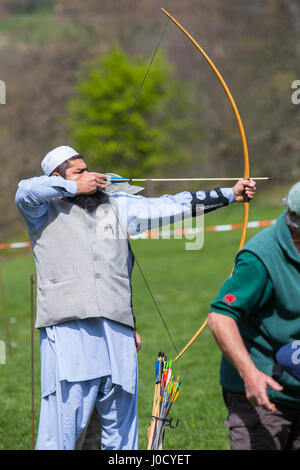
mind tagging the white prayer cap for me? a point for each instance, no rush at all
(55, 157)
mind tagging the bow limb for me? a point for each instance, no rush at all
(245, 152)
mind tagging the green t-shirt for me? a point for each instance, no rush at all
(263, 297)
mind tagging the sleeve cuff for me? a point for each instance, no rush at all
(69, 187)
(228, 193)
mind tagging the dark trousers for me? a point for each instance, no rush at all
(253, 428)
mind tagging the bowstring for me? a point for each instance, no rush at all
(143, 276)
(109, 166)
(137, 96)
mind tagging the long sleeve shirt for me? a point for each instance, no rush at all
(137, 212)
(85, 349)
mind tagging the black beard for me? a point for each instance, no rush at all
(89, 202)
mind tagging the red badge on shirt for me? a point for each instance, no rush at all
(229, 299)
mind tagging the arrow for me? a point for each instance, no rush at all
(115, 179)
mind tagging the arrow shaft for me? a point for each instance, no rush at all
(122, 180)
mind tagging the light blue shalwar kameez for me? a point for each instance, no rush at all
(87, 363)
(92, 362)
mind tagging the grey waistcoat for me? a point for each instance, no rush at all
(82, 265)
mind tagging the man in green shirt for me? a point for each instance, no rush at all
(256, 314)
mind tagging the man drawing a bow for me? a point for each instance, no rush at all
(88, 340)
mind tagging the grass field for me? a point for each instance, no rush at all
(183, 283)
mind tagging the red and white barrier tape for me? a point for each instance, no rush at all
(214, 228)
(4, 246)
(226, 228)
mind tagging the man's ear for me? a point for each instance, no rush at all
(55, 174)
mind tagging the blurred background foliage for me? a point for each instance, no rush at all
(156, 125)
(73, 68)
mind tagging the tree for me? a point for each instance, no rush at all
(144, 139)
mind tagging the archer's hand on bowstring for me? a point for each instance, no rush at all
(242, 187)
(90, 182)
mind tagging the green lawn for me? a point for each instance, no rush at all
(183, 283)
